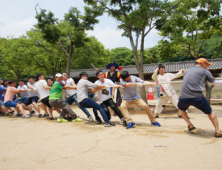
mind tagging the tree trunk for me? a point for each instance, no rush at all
(142, 89)
(208, 91)
(138, 67)
(69, 59)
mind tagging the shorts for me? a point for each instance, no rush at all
(200, 103)
(45, 101)
(1, 103)
(30, 100)
(21, 99)
(10, 104)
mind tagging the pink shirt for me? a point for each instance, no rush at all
(10, 92)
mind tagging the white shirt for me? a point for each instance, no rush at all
(39, 85)
(69, 92)
(104, 94)
(82, 89)
(33, 93)
(23, 94)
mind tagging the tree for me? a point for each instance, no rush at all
(137, 17)
(73, 26)
(93, 51)
(14, 62)
(191, 24)
(122, 55)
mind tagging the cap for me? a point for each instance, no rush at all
(58, 75)
(203, 60)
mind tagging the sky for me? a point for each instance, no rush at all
(18, 16)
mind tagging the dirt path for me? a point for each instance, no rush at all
(34, 143)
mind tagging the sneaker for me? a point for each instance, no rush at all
(131, 125)
(40, 116)
(50, 118)
(91, 118)
(26, 116)
(14, 114)
(19, 115)
(109, 124)
(124, 122)
(99, 122)
(61, 120)
(77, 120)
(156, 124)
(31, 113)
(2, 114)
(45, 115)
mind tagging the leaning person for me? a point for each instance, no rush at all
(191, 93)
(105, 98)
(71, 95)
(166, 91)
(130, 96)
(55, 100)
(9, 95)
(82, 93)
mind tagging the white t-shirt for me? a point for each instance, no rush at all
(33, 93)
(104, 94)
(23, 94)
(39, 85)
(69, 92)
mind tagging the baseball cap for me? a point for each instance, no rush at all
(203, 60)
(58, 75)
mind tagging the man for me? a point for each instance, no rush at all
(44, 91)
(33, 98)
(50, 81)
(130, 96)
(166, 91)
(71, 95)
(114, 76)
(10, 93)
(84, 101)
(191, 93)
(2, 106)
(105, 98)
(24, 95)
(55, 100)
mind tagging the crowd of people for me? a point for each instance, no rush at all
(60, 94)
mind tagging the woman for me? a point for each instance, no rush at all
(166, 91)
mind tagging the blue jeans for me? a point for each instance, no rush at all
(89, 103)
(73, 99)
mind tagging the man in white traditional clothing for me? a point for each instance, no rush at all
(166, 91)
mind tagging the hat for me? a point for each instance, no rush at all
(114, 64)
(58, 75)
(203, 60)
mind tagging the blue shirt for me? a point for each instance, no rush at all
(130, 93)
(1, 89)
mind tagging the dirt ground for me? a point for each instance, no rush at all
(34, 144)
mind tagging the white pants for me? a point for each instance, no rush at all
(163, 100)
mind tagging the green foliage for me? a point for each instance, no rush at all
(187, 29)
(122, 55)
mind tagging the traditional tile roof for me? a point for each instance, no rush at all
(149, 68)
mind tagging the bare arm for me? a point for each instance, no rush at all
(130, 84)
(69, 87)
(74, 85)
(31, 87)
(23, 90)
(154, 76)
(47, 87)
